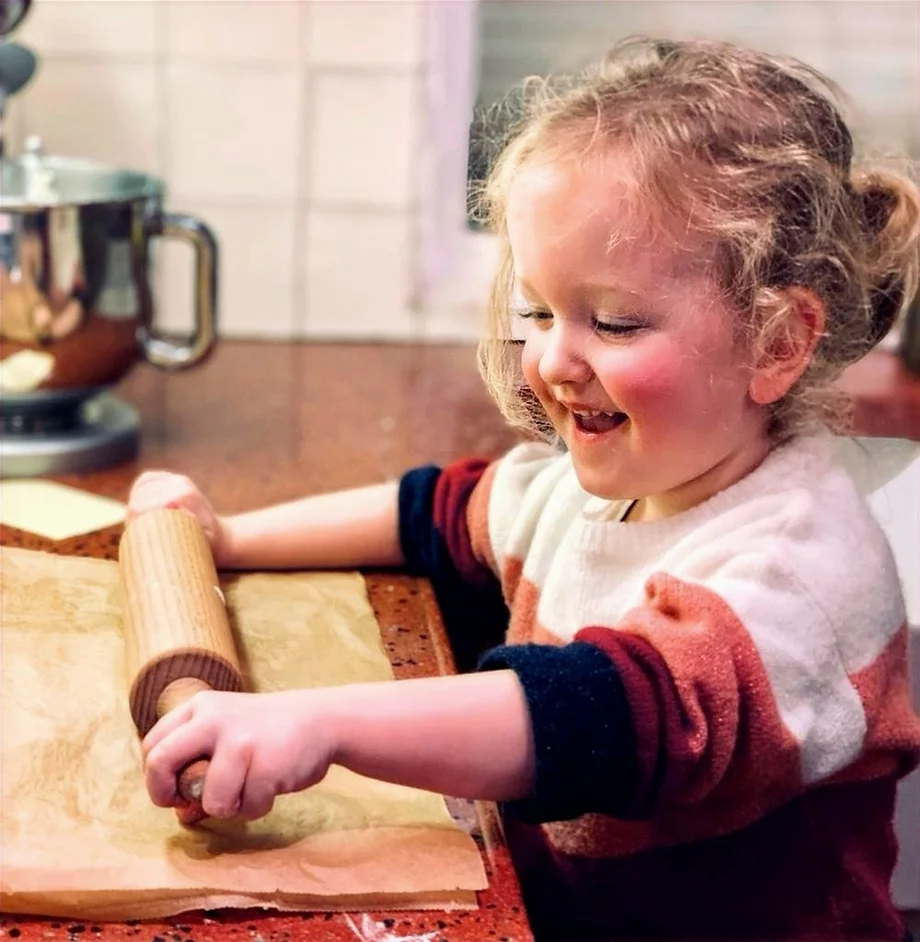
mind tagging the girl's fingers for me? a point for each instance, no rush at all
(256, 803)
(172, 721)
(226, 778)
(258, 793)
(153, 490)
(176, 749)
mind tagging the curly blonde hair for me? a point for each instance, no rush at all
(749, 154)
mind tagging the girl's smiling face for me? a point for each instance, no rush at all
(633, 351)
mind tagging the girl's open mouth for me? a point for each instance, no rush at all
(596, 423)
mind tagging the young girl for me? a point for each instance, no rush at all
(699, 712)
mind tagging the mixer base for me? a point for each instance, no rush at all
(106, 432)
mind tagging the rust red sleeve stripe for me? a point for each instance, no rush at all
(708, 729)
(452, 495)
(653, 705)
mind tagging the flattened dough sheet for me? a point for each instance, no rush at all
(78, 834)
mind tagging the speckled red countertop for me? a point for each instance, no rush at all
(266, 422)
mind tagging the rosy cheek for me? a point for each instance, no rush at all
(652, 376)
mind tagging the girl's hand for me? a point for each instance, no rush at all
(157, 489)
(260, 745)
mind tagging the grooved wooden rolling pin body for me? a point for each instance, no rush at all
(178, 638)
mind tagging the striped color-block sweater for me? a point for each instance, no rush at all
(719, 700)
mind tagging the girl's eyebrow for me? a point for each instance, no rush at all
(605, 288)
(522, 291)
(587, 289)
(525, 287)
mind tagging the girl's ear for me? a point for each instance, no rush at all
(785, 349)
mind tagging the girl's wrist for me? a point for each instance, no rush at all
(320, 723)
(226, 549)
(336, 724)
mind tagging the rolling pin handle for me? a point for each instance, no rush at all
(176, 693)
(190, 784)
(191, 780)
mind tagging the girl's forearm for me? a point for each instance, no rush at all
(468, 736)
(345, 529)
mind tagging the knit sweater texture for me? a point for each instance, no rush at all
(720, 700)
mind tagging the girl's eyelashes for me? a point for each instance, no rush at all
(619, 328)
(534, 314)
(540, 318)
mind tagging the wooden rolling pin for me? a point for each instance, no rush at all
(178, 639)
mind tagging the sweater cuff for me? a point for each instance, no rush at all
(421, 545)
(583, 732)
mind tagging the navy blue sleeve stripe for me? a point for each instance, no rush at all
(584, 737)
(422, 546)
(475, 616)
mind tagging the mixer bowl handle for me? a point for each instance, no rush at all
(159, 350)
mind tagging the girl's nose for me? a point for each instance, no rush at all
(563, 357)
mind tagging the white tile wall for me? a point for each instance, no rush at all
(291, 127)
(365, 139)
(257, 269)
(366, 34)
(92, 29)
(236, 31)
(314, 121)
(97, 107)
(358, 274)
(233, 132)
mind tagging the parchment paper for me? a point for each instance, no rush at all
(78, 834)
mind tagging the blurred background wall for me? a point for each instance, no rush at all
(869, 46)
(325, 141)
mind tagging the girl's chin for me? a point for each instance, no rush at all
(603, 483)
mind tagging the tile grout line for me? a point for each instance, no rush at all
(158, 288)
(300, 241)
(303, 177)
(415, 281)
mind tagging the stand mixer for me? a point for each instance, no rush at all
(76, 304)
